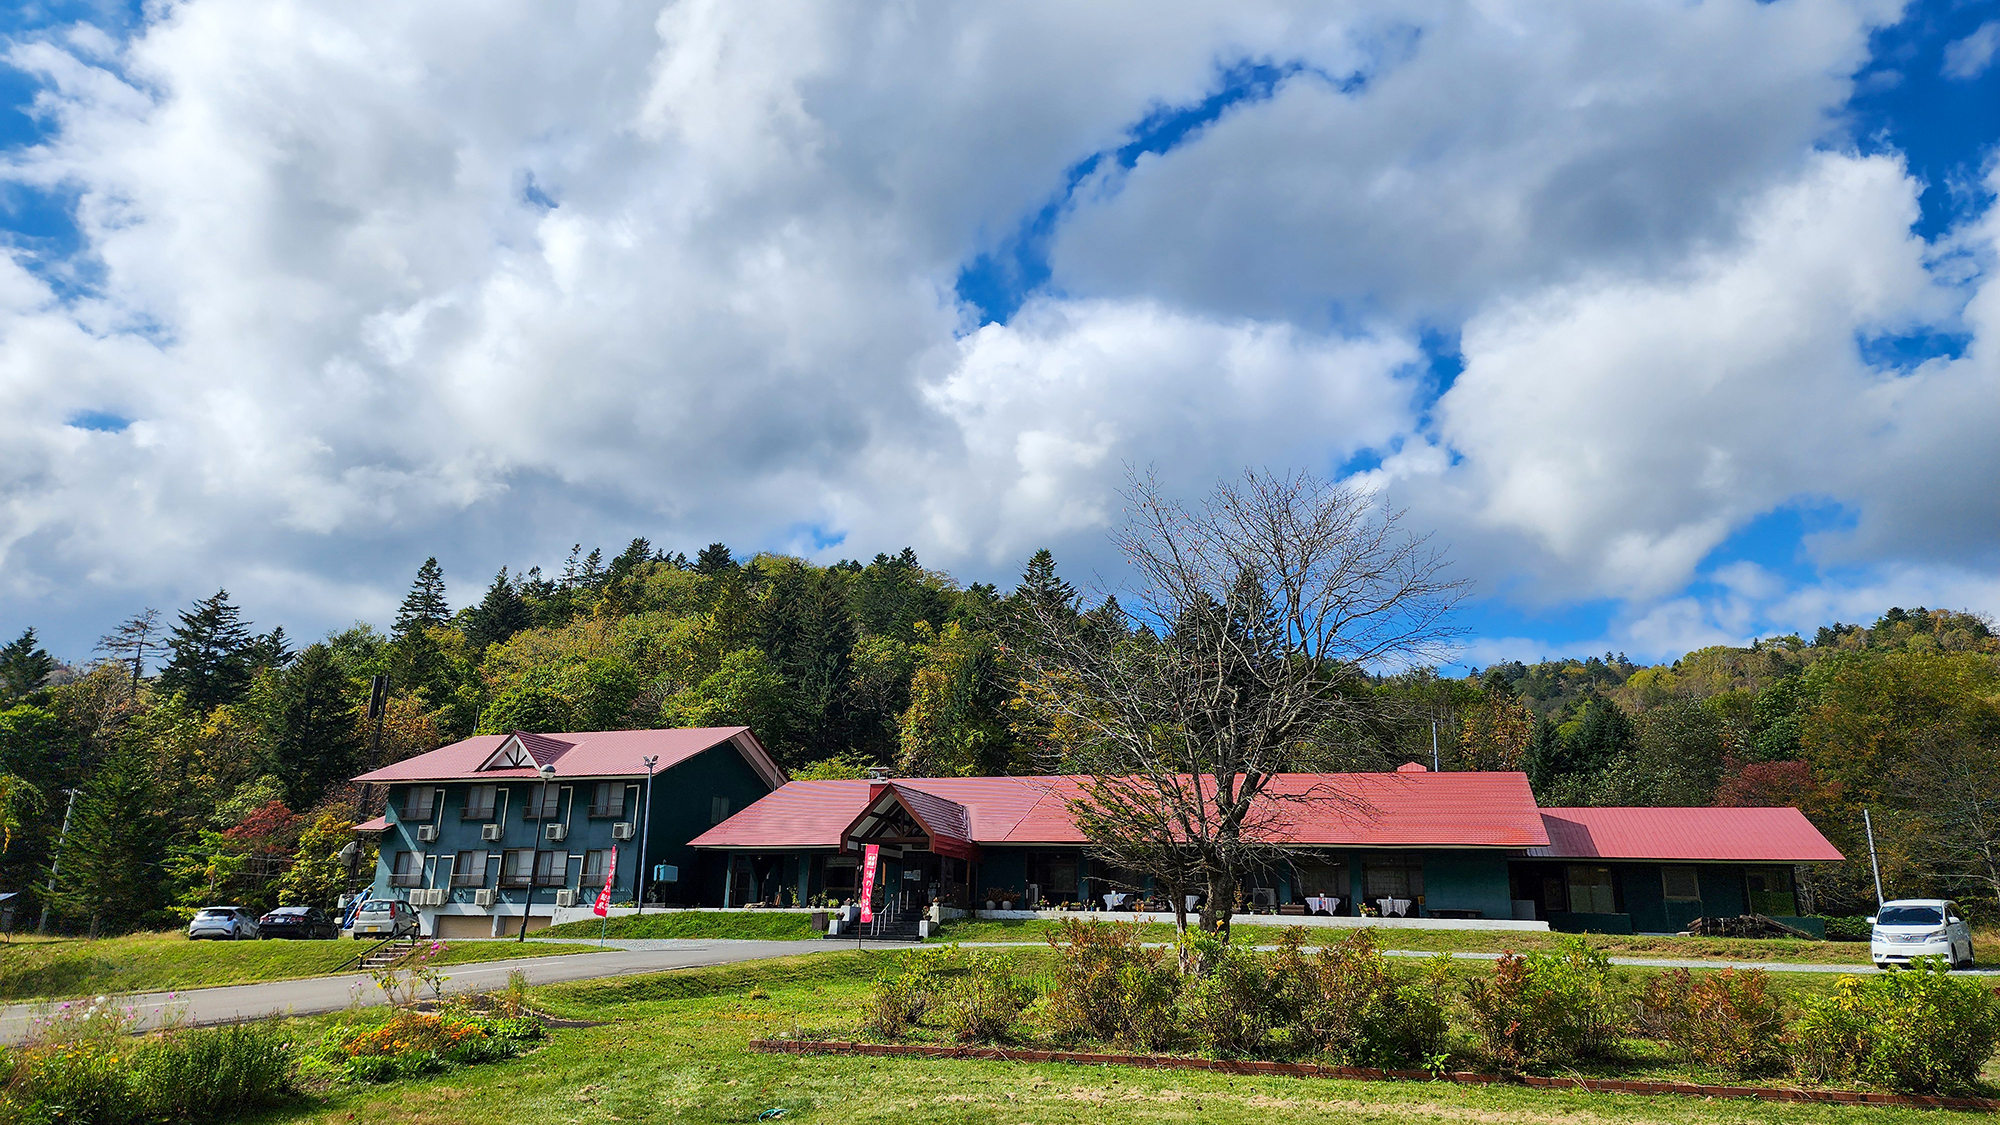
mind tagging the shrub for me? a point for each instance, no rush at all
(1231, 1008)
(906, 989)
(1851, 927)
(216, 1071)
(1546, 1008)
(83, 1066)
(1916, 1030)
(1344, 1003)
(1107, 986)
(982, 1003)
(1726, 1020)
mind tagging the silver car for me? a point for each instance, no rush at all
(1920, 927)
(223, 923)
(385, 918)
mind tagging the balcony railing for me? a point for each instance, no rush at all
(406, 880)
(481, 812)
(614, 810)
(515, 881)
(468, 879)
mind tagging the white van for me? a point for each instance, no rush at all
(1920, 927)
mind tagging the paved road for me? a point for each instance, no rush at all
(1637, 962)
(328, 994)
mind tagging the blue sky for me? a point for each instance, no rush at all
(1674, 323)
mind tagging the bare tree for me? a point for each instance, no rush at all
(131, 640)
(1253, 617)
(1951, 788)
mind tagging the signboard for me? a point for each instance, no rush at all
(603, 907)
(867, 888)
(666, 873)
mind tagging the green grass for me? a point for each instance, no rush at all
(694, 924)
(64, 968)
(676, 1051)
(1487, 941)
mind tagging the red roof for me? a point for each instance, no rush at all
(1759, 835)
(601, 753)
(378, 824)
(1451, 810)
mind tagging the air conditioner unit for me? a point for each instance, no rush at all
(485, 897)
(427, 833)
(491, 832)
(556, 831)
(622, 830)
(430, 897)
(1265, 897)
(565, 898)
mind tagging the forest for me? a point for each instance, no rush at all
(197, 759)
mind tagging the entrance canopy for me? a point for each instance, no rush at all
(899, 814)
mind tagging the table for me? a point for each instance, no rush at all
(1395, 907)
(1114, 900)
(1322, 904)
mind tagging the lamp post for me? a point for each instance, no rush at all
(645, 830)
(548, 773)
(55, 865)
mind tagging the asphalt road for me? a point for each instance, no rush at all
(313, 995)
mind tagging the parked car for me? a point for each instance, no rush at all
(384, 918)
(298, 922)
(1920, 927)
(223, 923)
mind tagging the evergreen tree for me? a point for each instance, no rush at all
(424, 607)
(1545, 756)
(311, 726)
(1606, 735)
(24, 666)
(636, 552)
(1041, 588)
(273, 650)
(502, 613)
(133, 639)
(714, 559)
(212, 653)
(110, 861)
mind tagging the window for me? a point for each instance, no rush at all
(544, 802)
(479, 802)
(718, 809)
(515, 867)
(407, 870)
(595, 863)
(1591, 892)
(1054, 874)
(1771, 891)
(608, 799)
(468, 869)
(1681, 884)
(552, 869)
(1393, 877)
(1320, 879)
(840, 873)
(1910, 916)
(419, 802)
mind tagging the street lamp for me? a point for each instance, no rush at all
(548, 773)
(645, 830)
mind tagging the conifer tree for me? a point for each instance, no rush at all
(24, 666)
(714, 559)
(311, 726)
(212, 654)
(499, 615)
(424, 607)
(110, 861)
(133, 640)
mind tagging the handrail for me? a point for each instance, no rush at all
(371, 951)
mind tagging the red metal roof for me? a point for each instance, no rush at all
(1757, 835)
(378, 824)
(602, 753)
(1450, 810)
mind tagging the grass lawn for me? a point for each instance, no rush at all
(62, 968)
(676, 1051)
(694, 924)
(1986, 944)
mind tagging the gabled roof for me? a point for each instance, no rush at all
(945, 823)
(578, 754)
(1730, 835)
(1414, 809)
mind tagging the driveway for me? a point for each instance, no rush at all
(314, 995)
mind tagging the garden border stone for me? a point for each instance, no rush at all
(1364, 1073)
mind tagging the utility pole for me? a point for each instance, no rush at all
(1868, 825)
(378, 706)
(645, 830)
(55, 865)
(1434, 746)
(548, 773)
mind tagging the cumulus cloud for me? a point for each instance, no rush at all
(483, 280)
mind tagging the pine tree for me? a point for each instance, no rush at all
(24, 666)
(499, 615)
(133, 639)
(1040, 588)
(213, 650)
(424, 607)
(714, 559)
(272, 650)
(311, 726)
(110, 861)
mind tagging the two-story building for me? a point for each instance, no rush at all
(483, 831)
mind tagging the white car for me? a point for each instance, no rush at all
(1920, 927)
(225, 923)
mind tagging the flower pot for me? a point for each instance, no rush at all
(990, 905)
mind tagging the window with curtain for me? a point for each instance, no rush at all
(479, 802)
(407, 870)
(1681, 884)
(1591, 891)
(419, 802)
(552, 869)
(468, 869)
(515, 869)
(607, 798)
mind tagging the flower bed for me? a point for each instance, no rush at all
(415, 1043)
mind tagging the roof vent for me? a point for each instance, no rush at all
(878, 773)
(1412, 767)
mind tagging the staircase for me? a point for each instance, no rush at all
(386, 953)
(896, 921)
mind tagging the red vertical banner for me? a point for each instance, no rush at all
(603, 907)
(870, 858)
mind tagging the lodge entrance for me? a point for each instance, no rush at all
(924, 854)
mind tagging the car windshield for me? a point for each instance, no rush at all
(215, 913)
(287, 911)
(383, 908)
(1909, 916)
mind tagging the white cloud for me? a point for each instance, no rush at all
(1969, 57)
(351, 335)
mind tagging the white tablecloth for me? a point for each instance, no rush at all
(1394, 907)
(1317, 903)
(1114, 900)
